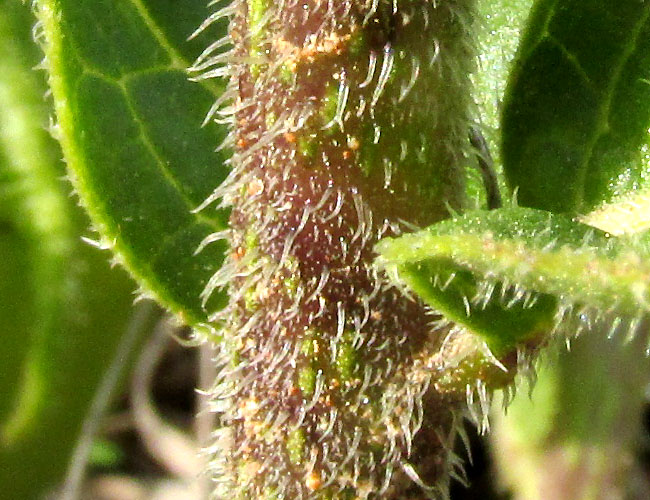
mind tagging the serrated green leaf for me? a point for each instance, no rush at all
(577, 107)
(129, 124)
(62, 309)
(523, 251)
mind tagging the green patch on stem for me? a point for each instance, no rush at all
(270, 119)
(257, 33)
(251, 240)
(291, 279)
(250, 299)
(347, 359)
(308, 145)
(357, 45)
(370, 157)
(271, 494)
(329, 103)
(230, 345)
(287, 74)
(296, 441)
(309, 343)
(308, 374)
(307, 381)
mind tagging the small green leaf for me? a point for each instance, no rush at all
(577, 107)
(129, 123)
(455, 292)
(512, 273)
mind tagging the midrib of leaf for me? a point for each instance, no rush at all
(573, 60)
(159, 161)
(605, 109)
(547, 23)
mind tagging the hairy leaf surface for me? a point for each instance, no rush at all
(129, 122)
(509, 273)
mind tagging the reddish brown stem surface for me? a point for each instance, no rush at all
(350, 124)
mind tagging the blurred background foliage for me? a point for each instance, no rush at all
(63, 309)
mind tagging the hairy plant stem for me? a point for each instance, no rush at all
(350, 123)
